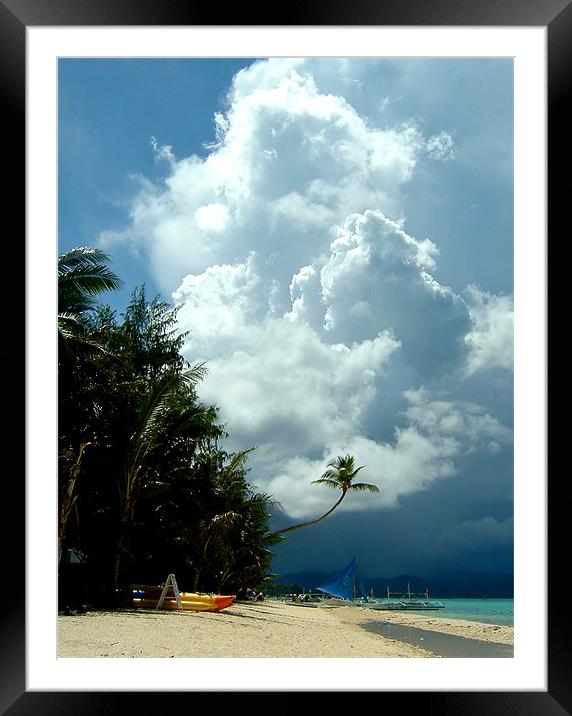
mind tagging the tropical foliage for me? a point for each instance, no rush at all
(82, 275)
(146, 488)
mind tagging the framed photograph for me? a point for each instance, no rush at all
(454, 250)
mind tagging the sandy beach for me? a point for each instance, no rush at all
(257, 630)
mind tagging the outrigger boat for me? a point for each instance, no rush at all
(341, 590)
(406, 601)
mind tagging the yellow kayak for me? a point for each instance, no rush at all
(190, 601)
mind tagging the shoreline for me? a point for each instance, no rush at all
(254, 630)
(494, 633)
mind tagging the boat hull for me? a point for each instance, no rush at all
(336, 602)
(398, 607)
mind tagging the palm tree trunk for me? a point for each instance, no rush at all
(311, 522)
(123, 525)
(195, 582)
(68, 499)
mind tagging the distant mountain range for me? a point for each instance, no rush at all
(448, 584)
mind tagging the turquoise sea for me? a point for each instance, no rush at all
(489, 611)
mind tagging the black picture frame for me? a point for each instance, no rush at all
(15, 17)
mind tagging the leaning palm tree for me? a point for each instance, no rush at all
(82, 275)
(339, 475)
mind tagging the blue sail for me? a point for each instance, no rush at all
(342, 583)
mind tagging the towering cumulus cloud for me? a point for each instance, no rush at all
(322, 319)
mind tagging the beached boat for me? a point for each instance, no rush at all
(341, 590)
(148, 598)
(406, 601)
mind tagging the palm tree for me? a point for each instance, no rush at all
(339, 475)
(69, 497)
(247, 562)
(230, 535)
(164, 416)
(82, 275)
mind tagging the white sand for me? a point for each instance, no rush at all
(263, 629)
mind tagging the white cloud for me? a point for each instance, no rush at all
(440, 146)
(286, 249)
(434, 438)
(220, 306)
(212, 217)
(162, 153)
(289, 163)
(376, 278)
(490, 340)
(468, 423)
(271, 374)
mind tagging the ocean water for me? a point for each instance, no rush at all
(489, 611)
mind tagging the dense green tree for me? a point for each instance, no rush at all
(83, 275)
(148, 341)
(168, 413)
(68, 498)
(237, 544)
(217, 522)
(145, 487)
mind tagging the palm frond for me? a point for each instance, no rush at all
(342, 461)
(223, 521)
(159, 403)
(237, 461)
(69, 325)
(332, 475)
(72, 330)
(355, 472)
(161, 397)
(154, 408)
(195, 373)
(83, 274)
(364, 487)
(327, 481)
(86, 258)
(259, 503)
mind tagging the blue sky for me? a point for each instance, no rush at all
(108, 110)
(339, 236)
